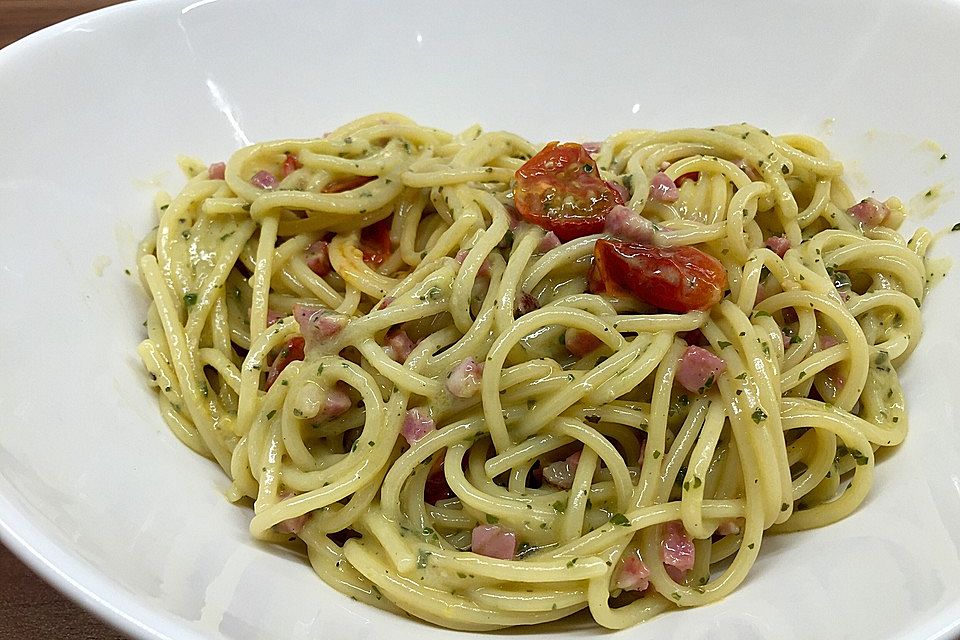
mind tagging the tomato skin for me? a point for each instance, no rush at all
(678, 279)
(375, 242)
(560, 189)
(291, 352)
(290, 164)
(346, 184)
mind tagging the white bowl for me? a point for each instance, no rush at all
(97, 495)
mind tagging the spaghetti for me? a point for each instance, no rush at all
(483, 383)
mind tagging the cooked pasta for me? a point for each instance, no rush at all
(490, 383)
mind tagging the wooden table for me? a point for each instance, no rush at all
(29, 608)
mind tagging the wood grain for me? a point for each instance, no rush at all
(19, 18)
(29, 608)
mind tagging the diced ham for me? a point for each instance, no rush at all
(633, 574)
(787, 339)
(621, 191)
(318, 257)
(513, 217)
(749, 170)
(317, 324)
(216, 171)
(676, 550)
(692, 176)
(591, 147)
(464, 381)
(273, 316)
(416, 424)
(264, 180)
(483, 272)
(337, 402)
(290, 164)
(825, 341)
(870, 212)
(580, 342)
(549, 241)
(663, 189)
(778, 244)
(399, 345)
(624, 223)
(698, 367)
(291, 525)
(728, 528)
(290, 352)
(493, 541)
(525, 304)
(560, 474)
(386, 302)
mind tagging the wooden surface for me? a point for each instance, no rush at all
(29, 608)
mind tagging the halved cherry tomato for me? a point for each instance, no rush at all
(291, 351)
(677, 279)
(436, 487)
(375, 242)
(560, 189)
(346, 184)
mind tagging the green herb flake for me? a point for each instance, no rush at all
(722, 345)
(423, 556)
(189, 299)
(784, 506)
(492, 519)
(559, 506)
(270, 414)
(620, 520)
(742, 376)
(751, 545)
(656, 454)
(572, 562)
(758, 415)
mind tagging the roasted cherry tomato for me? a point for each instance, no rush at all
(375, 242)
(677, 279)
(291, 351)
(346, 184)
(560, 189)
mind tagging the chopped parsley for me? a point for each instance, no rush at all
(758, 415)
(620, 520)
(189, 299)
(423, 556)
